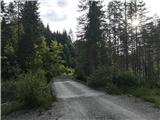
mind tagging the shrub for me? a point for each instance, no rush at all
(112, 89)
(57, 69)
(158, 84)
(80, 75)
(125, 79)
(100, 77)
(113, 80)
(69, 71)
(33, 90)
(8, 90)
(111, 77)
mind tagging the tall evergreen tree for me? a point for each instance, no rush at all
(9, 41)
(30, 21)
(48, 35)
(92, 36)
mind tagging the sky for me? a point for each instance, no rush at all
(62, 14)
(59, 14)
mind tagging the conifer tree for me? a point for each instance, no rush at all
(30, 21)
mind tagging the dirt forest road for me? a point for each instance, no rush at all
(78, 102)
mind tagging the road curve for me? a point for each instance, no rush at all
(82, 103)
(79, 102)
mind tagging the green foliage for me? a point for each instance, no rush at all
(125, 79)
(11, 107)
(100, 77)
(120, 46)
(109, 76)
(80, 75)
(27, 45)
(153, 99)
(49, 58)
(142, 91)
(90, 46)
(69, 71)
(40, 50)
(8, 92)
(81, 69)
(33, 90)
(148, 94)
(31, 34)
(52, 60)
(9, 40)
(30, 48)
(112, 89)
(10, 68)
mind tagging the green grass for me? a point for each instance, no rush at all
(148, 94)
(17, 106)
(11, 107)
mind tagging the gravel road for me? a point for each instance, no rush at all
(78, 102)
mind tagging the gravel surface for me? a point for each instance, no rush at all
(78, 102)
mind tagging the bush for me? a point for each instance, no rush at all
(112, 89)
(125, 79)
(33, 90)
(69, 71)
(111, 77)
(101, 77)
(8, 92)
(56, 70)
(80, 75)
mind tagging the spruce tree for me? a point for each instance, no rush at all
(94, 35)
(30, 21)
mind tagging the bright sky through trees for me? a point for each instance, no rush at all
(63, 14)
(135, 23)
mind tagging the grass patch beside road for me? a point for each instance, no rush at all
(149, 94)
(10, 107)
(17, 106)
(118, 82)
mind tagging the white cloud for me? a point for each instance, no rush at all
(62, 3)
(59, 14)
(153, 6)
(55, 17)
